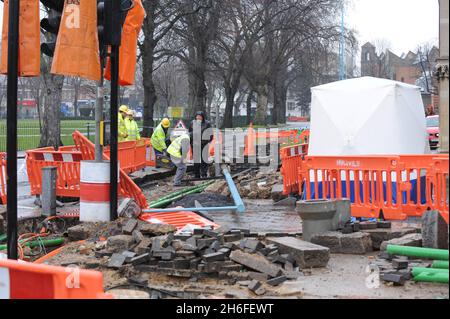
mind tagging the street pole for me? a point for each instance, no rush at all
(217, 145)
(114, 128)
(99, 114)
(13, 70)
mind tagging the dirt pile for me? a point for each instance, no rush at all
(254, 185)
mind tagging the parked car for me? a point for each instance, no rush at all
(433, 131)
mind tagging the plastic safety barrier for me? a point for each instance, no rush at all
(439, 179)
(131, 155)
(178, 219)
(3, 178)
(291, 159)
(21, 280)
(150, 155)
(264, 137)
(396, 186)
(66, 160)
(127, 187)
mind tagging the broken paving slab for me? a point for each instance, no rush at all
(412, 240)
(354, 243)
(156, 229)
(307, 255)
(119, 242)
(379, 235)
(255, 262)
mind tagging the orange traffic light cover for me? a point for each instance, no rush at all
(77, 47)
(29, 39)
(128, 48)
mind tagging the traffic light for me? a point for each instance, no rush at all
(108, 13)
(51, 24)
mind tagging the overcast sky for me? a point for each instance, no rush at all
(404, 23)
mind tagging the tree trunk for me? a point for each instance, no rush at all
(75, 100)
(249, 107)
(261, 104)
(148, 59)
(197, 92)
(51, 124)
(282, 109)
(228, 116)
(150, 98)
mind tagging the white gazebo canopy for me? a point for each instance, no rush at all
(367, 116)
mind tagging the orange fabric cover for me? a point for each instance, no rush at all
(29, 39)
(128, 48)
(77, 47)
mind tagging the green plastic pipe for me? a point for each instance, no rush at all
(428, 253)
(45, 242)
(3, 238)
(181, 192)
(418, 270)
(427, 275)
(164, 203)
(440, 264)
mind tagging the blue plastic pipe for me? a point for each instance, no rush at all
(234, 192)
(192, 209)
(239, 204)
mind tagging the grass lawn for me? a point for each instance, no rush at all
(29, 134)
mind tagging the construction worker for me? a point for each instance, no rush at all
(202, 134)
(178, 151)
(132, 127)
(122, 128)
(160, 138)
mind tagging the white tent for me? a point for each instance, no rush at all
(367, 116)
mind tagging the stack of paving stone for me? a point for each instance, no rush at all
(224, 253)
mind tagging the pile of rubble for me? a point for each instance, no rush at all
(396, 270)
(228, 254)
(254, 185)
(363, 237)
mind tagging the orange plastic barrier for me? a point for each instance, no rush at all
(439, 179)
(212, 145)
(127, 187)
(398, 186)
(150, 155)
(131, 155)
(254, 138)
(3, 178)
(20, 280)
(291, 159)
(250, 142)
(179, 219)
(66, 160)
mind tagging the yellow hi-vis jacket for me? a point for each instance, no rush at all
(159, 139)
(122, 131)
(176, 148)
(133, 130)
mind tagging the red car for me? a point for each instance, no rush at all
(433, 131)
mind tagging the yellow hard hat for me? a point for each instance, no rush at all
(165, 123)
(130, 112)
(123, 108)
